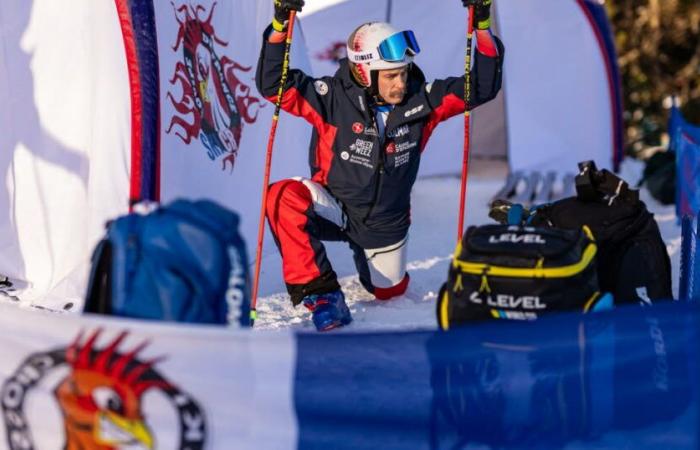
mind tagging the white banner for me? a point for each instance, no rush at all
(211, 49)
(64, 143)
(82, 382)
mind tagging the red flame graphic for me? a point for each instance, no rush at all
(213, 102)
(335, 52)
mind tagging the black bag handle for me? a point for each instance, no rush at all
(98, 299)
(593, 185)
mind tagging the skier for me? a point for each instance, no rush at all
(371, 121)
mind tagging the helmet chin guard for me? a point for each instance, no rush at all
(378, 46)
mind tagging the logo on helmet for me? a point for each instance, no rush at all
(211, 102)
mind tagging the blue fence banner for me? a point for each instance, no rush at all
(677, 125)
(603, 380)
(685, 140)
(688, 173)
(598, 381)
(689, 286)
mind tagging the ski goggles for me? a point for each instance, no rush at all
(391, 49)
(395, 47)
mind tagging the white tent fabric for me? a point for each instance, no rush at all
(65, 134)
(557, 95)
(554, 109)
(64, 142)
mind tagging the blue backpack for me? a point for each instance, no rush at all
(182, 262)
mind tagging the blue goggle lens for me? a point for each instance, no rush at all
(394, 48)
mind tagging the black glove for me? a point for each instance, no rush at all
(482, 12)
(282, 8)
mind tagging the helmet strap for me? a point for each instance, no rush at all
(373, 88)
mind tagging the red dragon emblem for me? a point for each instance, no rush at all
(214, 102)
(333, 53)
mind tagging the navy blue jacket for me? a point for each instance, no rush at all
(371, 178)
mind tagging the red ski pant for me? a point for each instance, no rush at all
(302, 214)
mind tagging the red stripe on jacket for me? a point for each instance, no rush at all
(294, 103)
(451, 106)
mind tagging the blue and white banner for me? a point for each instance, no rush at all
(77, 382)
(685, 140)
(629, 375)
(689, 285)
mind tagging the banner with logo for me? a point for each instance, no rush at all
(77, 382)
(605, 380)
(214, 123)
(64, 144)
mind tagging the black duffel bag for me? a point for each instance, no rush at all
(633, 263)
(515, 272)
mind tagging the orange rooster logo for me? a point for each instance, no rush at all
(100, 399)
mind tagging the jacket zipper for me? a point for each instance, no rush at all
(380, 169)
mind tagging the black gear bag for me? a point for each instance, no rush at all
(633, 263)
(515, 272)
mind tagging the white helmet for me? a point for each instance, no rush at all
(379, 46)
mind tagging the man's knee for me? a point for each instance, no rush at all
(287, 195)
(393, 291)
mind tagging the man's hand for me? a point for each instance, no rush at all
(482, 12)
(282, 8)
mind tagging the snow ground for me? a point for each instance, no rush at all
(432, 240)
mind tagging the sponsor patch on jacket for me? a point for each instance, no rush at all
(360, 153)
(357, 128)
(398, 132)
(402, 147)
(414, 111)
(362, 147)
(321, 87)
(402, 159)
(371, 131)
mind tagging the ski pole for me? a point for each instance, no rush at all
(467, 92)
(268, 164)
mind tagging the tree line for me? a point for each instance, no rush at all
(658, 45)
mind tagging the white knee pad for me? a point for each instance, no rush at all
(387, 265)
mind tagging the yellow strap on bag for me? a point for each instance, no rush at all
(444, 320)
